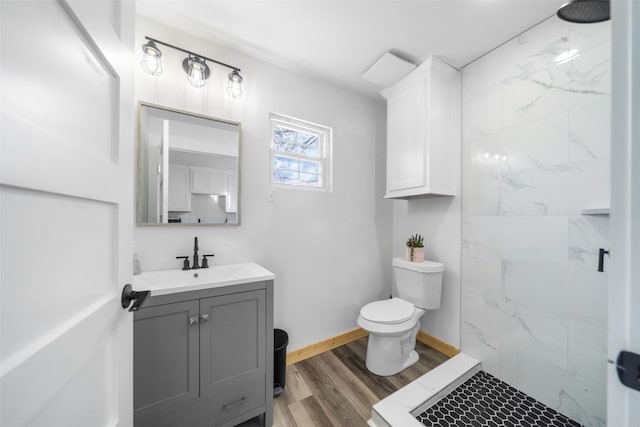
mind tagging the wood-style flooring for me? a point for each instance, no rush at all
(335, 389)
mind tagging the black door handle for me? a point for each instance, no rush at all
(628, 367)
(128, 295)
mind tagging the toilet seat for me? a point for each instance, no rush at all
(388, 311)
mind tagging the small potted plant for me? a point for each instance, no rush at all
(415, 248)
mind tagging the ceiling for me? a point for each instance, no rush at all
(339, 40)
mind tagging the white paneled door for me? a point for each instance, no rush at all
(66, 200)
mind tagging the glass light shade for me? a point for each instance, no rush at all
(234, 87)
(198, 72)
(151, 61)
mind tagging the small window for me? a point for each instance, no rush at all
(300, 153)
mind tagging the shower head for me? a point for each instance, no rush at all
(585, 11)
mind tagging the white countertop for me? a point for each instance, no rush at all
(163, 282)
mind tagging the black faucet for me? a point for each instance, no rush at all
(195, 254)
(195, 266)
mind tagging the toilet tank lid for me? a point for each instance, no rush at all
(422, 267)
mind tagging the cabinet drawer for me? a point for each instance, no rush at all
(233, 405)
(238, 400)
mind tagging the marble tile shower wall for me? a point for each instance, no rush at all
(535, 152)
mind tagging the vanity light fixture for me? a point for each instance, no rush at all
(195, 65)
(234, 88)
(151, 61)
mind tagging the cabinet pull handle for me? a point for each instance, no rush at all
(193, 320)
(231, 405)
(204, 318)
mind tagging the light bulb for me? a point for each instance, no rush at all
(196, 75)
(234, 87)
(197, 71)
(151, 61)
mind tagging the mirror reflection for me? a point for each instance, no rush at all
(187, 168)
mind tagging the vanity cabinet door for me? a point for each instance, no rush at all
(165, 356)
(232, 342)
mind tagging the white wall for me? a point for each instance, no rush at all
(535, 152)
(330, 252)
(438, 220)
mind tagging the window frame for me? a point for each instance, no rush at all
(325, 137)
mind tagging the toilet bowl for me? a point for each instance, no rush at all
(393, 323)
(392, 326)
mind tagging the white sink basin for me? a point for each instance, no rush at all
(162, 282)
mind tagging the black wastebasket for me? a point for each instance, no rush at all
(280, 341)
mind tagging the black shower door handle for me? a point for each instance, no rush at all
(601, 254)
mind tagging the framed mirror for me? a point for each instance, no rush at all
(188, 168)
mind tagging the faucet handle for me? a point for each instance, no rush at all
(185, 264)
(205, 263)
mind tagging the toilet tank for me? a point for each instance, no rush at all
(419, 283)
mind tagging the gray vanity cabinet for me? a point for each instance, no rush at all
(201, 357)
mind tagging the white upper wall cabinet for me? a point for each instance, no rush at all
(208, 181)
(423, 121)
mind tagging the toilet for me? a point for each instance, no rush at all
(393, 323)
